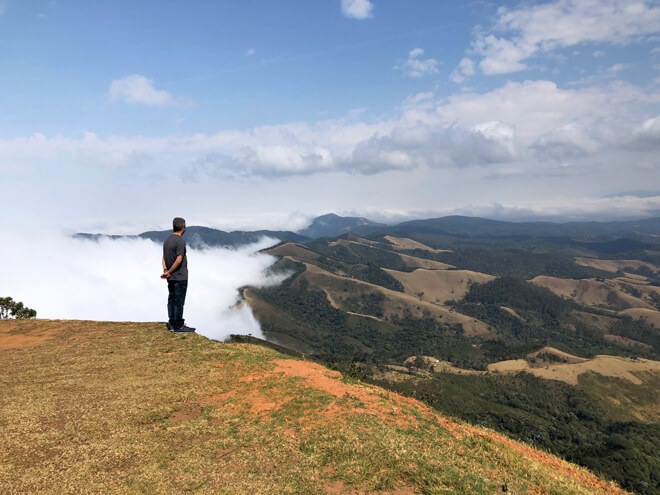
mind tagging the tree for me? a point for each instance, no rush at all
(14, 309)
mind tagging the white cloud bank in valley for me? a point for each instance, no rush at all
(66, 278)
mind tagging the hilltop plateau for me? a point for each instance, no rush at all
(129, 407)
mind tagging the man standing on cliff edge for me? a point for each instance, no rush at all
(175, 271)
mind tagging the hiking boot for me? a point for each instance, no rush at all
(184, 329)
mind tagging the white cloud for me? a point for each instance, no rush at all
(250, 52)
(523, 124)
(464, 70)
(357, 9)
(565, 143)
(417, 67)
(3, 8)
(139, 89)
(598, 53)
(618, 68)
(656, 49)
(647, 135)
(530, 30)
(90, 291)
(625, 206)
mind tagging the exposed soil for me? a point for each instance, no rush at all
(12, 336)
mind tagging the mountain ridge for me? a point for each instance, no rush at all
(332, 225)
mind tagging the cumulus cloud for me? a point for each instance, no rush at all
(411, 145)
(524, 32)
(568, 142)
(67, 278)
(357, 9)
(415, 66)
(139, 89)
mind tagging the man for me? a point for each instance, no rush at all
(175, 271)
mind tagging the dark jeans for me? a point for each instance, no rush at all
(177, 297)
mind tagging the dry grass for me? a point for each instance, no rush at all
(613, 266)
(612, 366)
(570, 370)
(415, 262)
(131, 408)
(651, 316)
(291, 249)
(438, 286)
(591, 292)
(409, 244)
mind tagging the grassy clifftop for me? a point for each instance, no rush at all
(131, 408)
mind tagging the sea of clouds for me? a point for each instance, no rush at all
(119, 280)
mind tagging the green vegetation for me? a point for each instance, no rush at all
(578, 422)
(326, 329)
(547, 319)
(374, 275)
(15, 309)
(366, 304)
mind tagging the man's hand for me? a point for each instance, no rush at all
(165, 275)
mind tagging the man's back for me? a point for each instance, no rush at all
(175, 246)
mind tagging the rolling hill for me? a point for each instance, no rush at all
(491, 330)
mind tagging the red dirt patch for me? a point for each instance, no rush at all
(23, 340)
(316, 376)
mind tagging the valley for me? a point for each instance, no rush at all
(533, 319)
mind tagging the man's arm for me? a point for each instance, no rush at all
(175, 265)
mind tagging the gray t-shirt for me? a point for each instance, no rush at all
(173, 247)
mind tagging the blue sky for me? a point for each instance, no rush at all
(119, 115)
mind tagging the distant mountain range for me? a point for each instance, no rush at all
(332, 225)
(200, 237)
